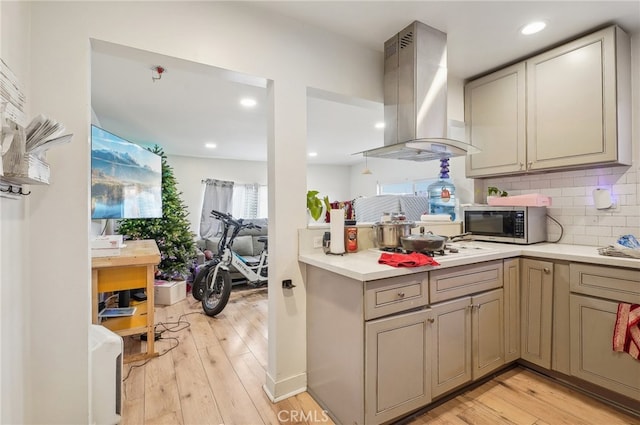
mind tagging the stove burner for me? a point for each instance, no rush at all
(399, 250)
(394, 250)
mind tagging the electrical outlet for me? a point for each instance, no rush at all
(317, 242)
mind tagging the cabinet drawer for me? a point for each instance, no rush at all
(605, 282)
(464, 280)
(388, 296)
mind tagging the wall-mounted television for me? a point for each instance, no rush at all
(126, 179)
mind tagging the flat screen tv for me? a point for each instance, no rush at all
(126, 179)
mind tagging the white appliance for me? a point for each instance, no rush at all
(106, 351)
(442, 228)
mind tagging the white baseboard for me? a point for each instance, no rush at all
(278, 391)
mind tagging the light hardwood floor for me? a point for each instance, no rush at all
(216, 371)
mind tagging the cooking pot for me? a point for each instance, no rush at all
(428, 242)
(423, 243)
(388, 233)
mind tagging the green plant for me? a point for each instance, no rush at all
(315, 204)
(494, 191)
(171, 232)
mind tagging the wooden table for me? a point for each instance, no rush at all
(133, 268)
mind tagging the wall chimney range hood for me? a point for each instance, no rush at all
(415, 98)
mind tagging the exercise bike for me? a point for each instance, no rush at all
(212, 284)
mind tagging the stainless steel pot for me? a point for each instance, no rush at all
(388, 233)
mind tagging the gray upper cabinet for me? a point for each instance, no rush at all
(495, 116)
(578, 103)
(569, 107)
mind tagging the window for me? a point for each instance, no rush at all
(405, 188)
(249, 201)
(416, 187)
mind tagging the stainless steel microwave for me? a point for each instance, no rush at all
(521, 225)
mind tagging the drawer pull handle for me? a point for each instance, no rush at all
(546, 270)
(431, 320)
(400, 294)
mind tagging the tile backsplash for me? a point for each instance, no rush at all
(573, 205)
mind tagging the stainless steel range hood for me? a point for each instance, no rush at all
(415, 98)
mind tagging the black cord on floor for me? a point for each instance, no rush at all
(561, 229)
(151, 358)
(177, 326)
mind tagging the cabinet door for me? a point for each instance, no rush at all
(495, 117)
(560, 354)
(592, 355)
(487, 332)
(451, 347)
(536, 311)
(511, 309)
(572, 103)
(397, 365)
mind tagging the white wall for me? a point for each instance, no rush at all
(293, 56)
(15, 293)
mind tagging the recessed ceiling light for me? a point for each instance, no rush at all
(210, 145)
(379, 125)
(313, 154)
(248, 103)
(533, 27)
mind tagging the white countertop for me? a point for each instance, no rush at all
(363, 265)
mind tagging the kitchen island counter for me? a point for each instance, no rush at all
(363, 265)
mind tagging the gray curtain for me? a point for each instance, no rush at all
(217, 196)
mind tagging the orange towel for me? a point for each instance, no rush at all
(626, 333)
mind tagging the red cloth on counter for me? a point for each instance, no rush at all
(626, 333)
(415, 259)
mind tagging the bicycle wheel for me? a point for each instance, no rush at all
(200, 282)
(215, 296)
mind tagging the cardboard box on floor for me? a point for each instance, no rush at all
(169, 292)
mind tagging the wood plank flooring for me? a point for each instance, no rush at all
(213, 371)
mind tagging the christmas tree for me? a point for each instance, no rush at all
(171, 232)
